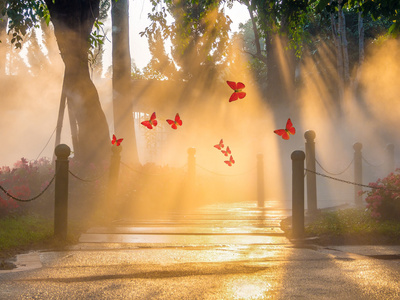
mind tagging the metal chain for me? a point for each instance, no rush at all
(85, 180)
(353, 183)
(367, 162)
(31, 199)
(334, 174)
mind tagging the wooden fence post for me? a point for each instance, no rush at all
(311, 176)
(62, 152)
(260, 180)
(357, 174)
(298, 158)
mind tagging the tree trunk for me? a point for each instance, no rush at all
(343, 39)
(73, 21)
(122, 101)
(3, 49)
(339, 56)
(360, 39)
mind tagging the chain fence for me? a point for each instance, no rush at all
(31, 199)
(372, 165)
(86, 180)
(332, 173)
(352, 183)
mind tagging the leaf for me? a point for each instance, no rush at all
(321, 5)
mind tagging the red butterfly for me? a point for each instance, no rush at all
(150, 123)
(227, 152)
(230, 162)
(115, 141)
(237, 87)
(220, 146)
(284, 133)
(177, 121)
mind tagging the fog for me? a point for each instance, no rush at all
(368, 114)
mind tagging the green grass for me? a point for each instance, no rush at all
(352, 226)
(22, 231)
(27, 232)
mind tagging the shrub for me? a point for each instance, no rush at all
(24, 180)
(384, 199)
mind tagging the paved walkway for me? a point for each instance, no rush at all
(227, 253)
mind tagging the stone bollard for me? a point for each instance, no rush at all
(260, 180)
(357, 173)
(62, 152)
(311, 176)
(298, 158)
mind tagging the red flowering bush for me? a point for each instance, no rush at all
(384, 199)
(23, 181)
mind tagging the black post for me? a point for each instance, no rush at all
(389, 159)
(357, 173)
(62, 152)
(260, 180)
(311, 176)
(298, 158)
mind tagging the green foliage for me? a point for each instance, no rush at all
(199, 33)
(389, 9)
(23, 15)
(353, 226)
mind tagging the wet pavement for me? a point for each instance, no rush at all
(231, 252)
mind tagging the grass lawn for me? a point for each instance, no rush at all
(349, 226)
(21, 233)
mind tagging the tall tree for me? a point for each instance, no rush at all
(73, 22)
(278, 25)
(198, 34)
(121, 79)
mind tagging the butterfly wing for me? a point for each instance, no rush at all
(153, 121)
(282, 133)
(234, 97)
(220, 145)
(232, 84)
(114, 139)
(119, 141)
(240, 86)
(241, 95)
(170, 122)
(289, 127)
(230, 162)
(178, 120)
(147, 124)
(227, 152)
